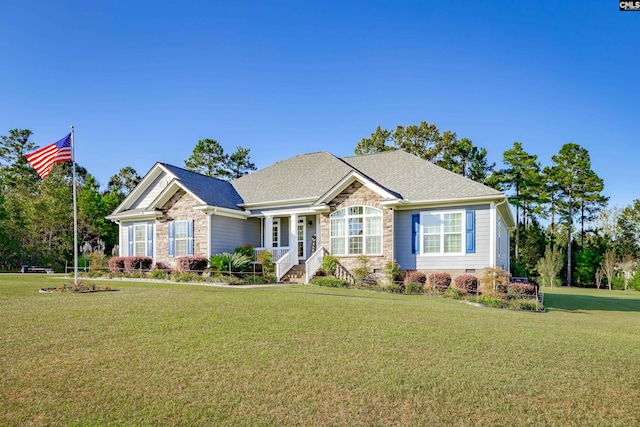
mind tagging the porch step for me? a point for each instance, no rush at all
(297, 274)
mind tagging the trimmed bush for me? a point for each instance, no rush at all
(440, 281)
(518, 289)
(415, 278)
(330, 282)
(116, 264)
(137, 263)
(191, 263)
(466, 284)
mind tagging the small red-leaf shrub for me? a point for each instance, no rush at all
(116, 264)
(137, 263)
(440, 281)
(415, 278)
(521, 288)
(466, 283)
(161, 266)
(191, 263)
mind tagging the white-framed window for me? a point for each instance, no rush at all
(356, 230)
(275, 233)
(181, 238)
(442, 233)
(140, 240)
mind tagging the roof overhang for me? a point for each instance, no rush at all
(216, 210)
(350, 178)
(279, 203)
(134, 215)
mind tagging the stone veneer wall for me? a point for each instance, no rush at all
(179, 208)
(357, 194)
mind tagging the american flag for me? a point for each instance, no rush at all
(43, 159)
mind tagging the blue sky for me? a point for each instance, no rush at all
(144, 81)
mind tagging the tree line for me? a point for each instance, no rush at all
(36, 215)
(582, 241)
(566, 196)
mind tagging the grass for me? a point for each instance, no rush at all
(177, 354)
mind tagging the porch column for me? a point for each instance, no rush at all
(268, 231)
(318, 232)
(293, 231)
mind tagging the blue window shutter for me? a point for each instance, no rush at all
(172, 241)
(415, 233)
(471, 232)
(131, 240)
(190, 237)
(150, 240)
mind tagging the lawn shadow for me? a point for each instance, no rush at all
(584, 303)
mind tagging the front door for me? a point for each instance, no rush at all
(302, 238)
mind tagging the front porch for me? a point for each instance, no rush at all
(292, 238)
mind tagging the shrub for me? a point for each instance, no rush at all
(491, 301)
(159, 274)
(452, 293)
(415, 278)
(137, 263)
(94, 273)
(394, 288)
(493, 281)
(519, 289)
(440, 281)
(98, 261)
(246, 250)
(466, 284)
(161, 266)
(227, 262)
(191, 263)
(413, 288)
(361, 272)
(265, 258)
(116, 264)
(330, 282)
(329, 265)
(391, 270)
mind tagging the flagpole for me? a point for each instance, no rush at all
(75, 213)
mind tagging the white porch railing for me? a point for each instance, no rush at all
(285, 263)
(276, 253)
(313, 264)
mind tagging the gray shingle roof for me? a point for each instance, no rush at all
(212, 191)
(309, 176)
(300, 177)
(416, 179)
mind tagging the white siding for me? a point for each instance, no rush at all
(409, 261)
(152, 191)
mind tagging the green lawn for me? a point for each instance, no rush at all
(175, 354)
